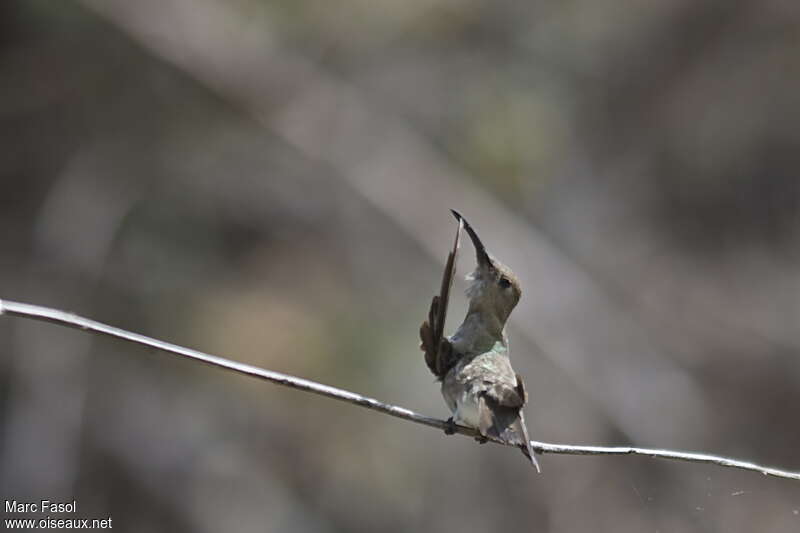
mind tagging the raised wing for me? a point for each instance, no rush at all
(438, 350)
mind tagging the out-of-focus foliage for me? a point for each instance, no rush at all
(271, 181)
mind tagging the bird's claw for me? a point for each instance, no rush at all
(450, 427)
(481, 439)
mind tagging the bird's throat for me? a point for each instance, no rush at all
(479, 333)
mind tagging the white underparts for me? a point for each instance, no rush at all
(467, 412)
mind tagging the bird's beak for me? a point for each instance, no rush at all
(484, 261)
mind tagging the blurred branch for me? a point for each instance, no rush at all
(72, 320)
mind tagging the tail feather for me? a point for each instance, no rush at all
(527, 448)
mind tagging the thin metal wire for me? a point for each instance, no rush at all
(72, 320)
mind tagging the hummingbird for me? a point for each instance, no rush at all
(479, 385)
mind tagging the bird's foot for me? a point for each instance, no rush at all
(481, 439)
(450, 427)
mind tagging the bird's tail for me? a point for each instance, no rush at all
(526, 448)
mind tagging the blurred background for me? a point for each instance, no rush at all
(270, 182)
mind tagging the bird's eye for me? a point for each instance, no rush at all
(504, 283)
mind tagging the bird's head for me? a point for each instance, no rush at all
(493, 288)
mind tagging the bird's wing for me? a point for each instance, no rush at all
(505, 387)
(438, 350)
(500, 415)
